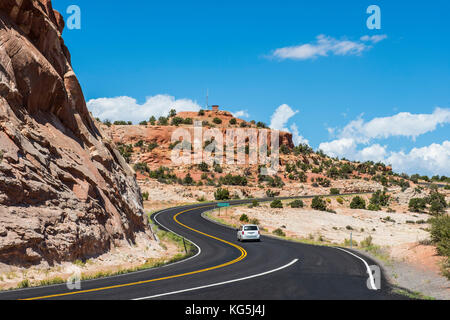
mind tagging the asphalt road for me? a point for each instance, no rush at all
(225, 269)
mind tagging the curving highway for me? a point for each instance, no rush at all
(224, 269)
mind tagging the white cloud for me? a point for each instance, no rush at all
(324, 46)
(279, 121)
(402, 124)
(339, 148)
(433, 159)
(296, 137)
(281, 117)
(241, 114)
(372, 153)
(375, 38)
(127, 109)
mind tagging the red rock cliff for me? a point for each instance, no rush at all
(65, 192)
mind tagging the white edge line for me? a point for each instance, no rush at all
(220, 283)
(369, 271)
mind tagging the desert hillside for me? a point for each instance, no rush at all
(65, 191)
(148, 147)
(394, 213)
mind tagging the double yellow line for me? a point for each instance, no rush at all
(241, 257)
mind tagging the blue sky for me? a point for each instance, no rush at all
(145, 49)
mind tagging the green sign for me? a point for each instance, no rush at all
(223, 205)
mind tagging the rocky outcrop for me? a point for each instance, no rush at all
(65, 192)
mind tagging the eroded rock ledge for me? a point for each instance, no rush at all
(65, 193)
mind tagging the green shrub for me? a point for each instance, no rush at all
(284, 149)
(373, 207)
(276, 204)
(279, 232)
(233, 121)
(145, 196)
(176, 121)
(334, 191)
(201, 199)
(297, 204)
(141, 167)
(417, 205)
(262, 125)
(121, 123)
(367, 242)
(24, 284)
(340, 200)
(319, 204)
(203, 167)
(163, 121)
(188, 180)
(255, 204)
(440, 234)
(201, 113)
(254, 221)
(222, 194)
(437, 203)
(358, 203)
(172, 113)
(231, 180)
(380, 199)
(188, 121)
(244, 218)
(217, 121)
(152, 146)
(272, 194)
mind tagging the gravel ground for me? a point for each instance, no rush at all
(406, 275)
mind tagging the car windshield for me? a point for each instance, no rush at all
(251, 228)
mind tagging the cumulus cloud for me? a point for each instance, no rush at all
(281, 117)
(296, 137)
(279, 121)
(345, 147)
(127, 108)
(433, 160)
(325, 46)
(241, 114)
(372, 153)
(402, 124)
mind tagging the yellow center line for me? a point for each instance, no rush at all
(242, 256)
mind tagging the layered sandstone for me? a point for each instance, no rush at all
(65, 192)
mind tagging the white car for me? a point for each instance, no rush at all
(249, 232)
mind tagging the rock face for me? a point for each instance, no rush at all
(65, 192)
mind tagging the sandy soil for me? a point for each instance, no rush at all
(335, 228)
